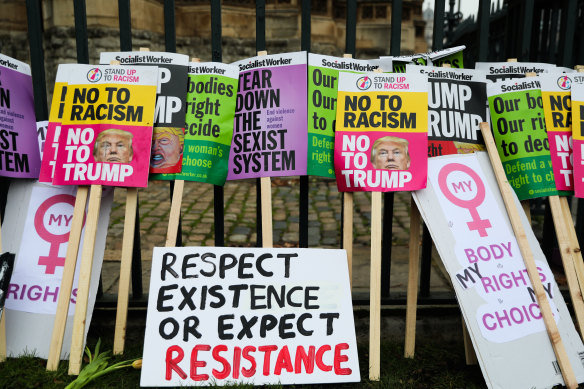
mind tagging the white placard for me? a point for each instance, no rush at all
(36, 227)
(466, 216)
(263, 316)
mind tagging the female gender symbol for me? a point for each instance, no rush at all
(52, 260)
(476, 223)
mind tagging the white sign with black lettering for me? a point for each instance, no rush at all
(218, 315)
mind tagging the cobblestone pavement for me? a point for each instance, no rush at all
(324, 223)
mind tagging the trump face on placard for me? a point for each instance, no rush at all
(114, 145)
(390, 152)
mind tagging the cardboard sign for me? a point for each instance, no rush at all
(249, 315)
(39, 217)
(19, 152)
(456, 107)
(578, 133)
(269, 135)
(500, 71)
(107, 126)
(465, 213)
(557, 106)
(212, 91)
(6, 266)
(169, 117)
(452, 56)
(42, 128)
(518, 121)
(51, 144)
(323, 82)
(381, 139)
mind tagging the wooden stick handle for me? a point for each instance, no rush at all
(375, 289)
(174, 217)
(68, 278)
(125, 270)
(542, 301)
(348, 231)
(76, 354)
(413, 277)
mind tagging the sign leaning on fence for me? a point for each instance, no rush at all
(381, 140)
(482, 257)
(456, 106)
(578, 133)
(556, 95)
(169, 117)
(519, 129)
(269, 134)
(323, 83)
(212, 90)
(500, 71)
(44, 212)
(107, 126)
(249, 315)
(19, 151)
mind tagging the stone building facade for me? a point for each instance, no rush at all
(193, 28)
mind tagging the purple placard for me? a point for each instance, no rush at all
(19, 148)
(270, 130)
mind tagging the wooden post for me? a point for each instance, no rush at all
(125, 270)
(574, 244)
(76, 354)
(375, 289)
(568, 260)
(348, 205)
(67, 280)
(348, 231)
(542, 301)
(413, 277)
(266, 202)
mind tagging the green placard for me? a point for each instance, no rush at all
(520, 134)
(212, 91)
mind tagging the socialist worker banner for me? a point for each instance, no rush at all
(456, 107)
(323, 82)
(520, 134)
(500, 71)
(107, 126)
(269, 134)
(19, 149)
(50, 147)
(578, 133)
(212, 90)
(556, 95)
(169, 117)
(381, 141)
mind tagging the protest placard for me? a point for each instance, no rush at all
(456, 106)
(500, 71)
(212, 91)
(107, 126)
(381, 138)
(482, 257)
(19, 152)
(269, 135)
(323, 82)
(40, 219)
(169, 117)
(249, 315)
(518, 120)
(6, 268)
(51, 141)
(42, 128)
(556, 95)
(578, 133)
(451, 56)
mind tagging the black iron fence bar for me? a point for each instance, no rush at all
(569, 28)
(303, 197)
(426, 261)
(217, 56)
(526, 30)
(351, 29)
(80, 12)
(388, 198)
(483, 36)
(37, 58)
(260, 46)
(125, 18)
